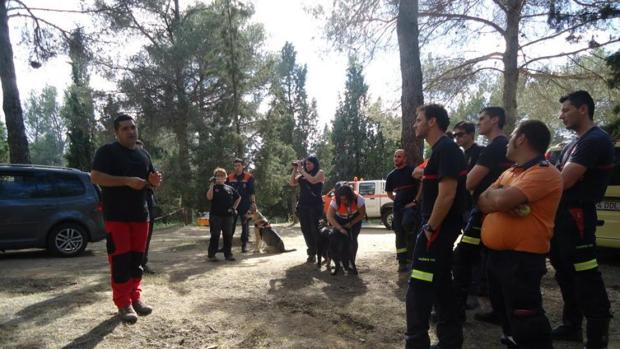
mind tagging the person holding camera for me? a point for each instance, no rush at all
(308, 175)
(224, 202)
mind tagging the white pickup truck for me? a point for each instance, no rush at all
(378, 204)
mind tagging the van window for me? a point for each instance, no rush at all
(68, 185)
(367, 189)
(17, 186)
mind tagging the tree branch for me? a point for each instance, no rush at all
(450, 16)
(525, 64)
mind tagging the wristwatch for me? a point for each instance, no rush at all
(427, 227)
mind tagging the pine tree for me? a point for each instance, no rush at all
(78, 109)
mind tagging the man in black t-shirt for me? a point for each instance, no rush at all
(464, 135)
(443, 199)
(401, 187)
(489, 166)
(586, 165)
(125, 173)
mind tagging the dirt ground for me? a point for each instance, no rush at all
(258, 301)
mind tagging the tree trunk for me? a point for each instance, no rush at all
(411, 72)
(511, 72)
(18, 143)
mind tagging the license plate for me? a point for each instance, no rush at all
(608, 205)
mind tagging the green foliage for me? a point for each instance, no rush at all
(78, 110)
(4, 145)
(363, 137)
(44, 127)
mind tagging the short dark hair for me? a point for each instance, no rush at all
(120, 118)
(579, 98)
(496, 112)
(439, 113)
(238, 161)
(468, 127)
(536, 133)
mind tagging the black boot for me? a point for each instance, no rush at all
(597, 333)
(567, 333)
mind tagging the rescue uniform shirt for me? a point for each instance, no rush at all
(224, 197)
(447, 160)
(244, 185)
(471, 156)
(360, 202)
(542, 184)
(123, 203)
(595, 151)
(309, 194)
(493, 157)
(401, 182)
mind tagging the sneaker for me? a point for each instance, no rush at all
(212, 259)
(148, 269)
(128, 314)
(230, 258)
(567, 333)
(488, 317)
(141, 308)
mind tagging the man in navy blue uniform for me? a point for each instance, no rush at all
(586, 165)
(443, 199)
(489, 166)
(401, 187)
(243, 182)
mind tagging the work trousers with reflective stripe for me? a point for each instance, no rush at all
(404, 238)
(125, 243)
(514, 291)
(467, 258)
(431, 284)
(573, 255)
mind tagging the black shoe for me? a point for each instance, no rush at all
(212, 259)
(403, 267)
(489, 317)
(230, 258)
(311, 259)
(567, 333)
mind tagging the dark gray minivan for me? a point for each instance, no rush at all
(49, 207)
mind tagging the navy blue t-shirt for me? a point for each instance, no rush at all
(123, 204)
(309, 194)
(224, 197)
(471, 156)
(401, 182)
(447, 160)
(493, 157)
(595, 151)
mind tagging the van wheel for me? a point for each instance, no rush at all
(387, 217)
(67, 240)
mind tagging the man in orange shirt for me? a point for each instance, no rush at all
(520, 211)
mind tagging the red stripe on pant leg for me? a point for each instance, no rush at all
(120, 235)
(139, 234)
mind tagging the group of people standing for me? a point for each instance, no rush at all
(512, 209)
